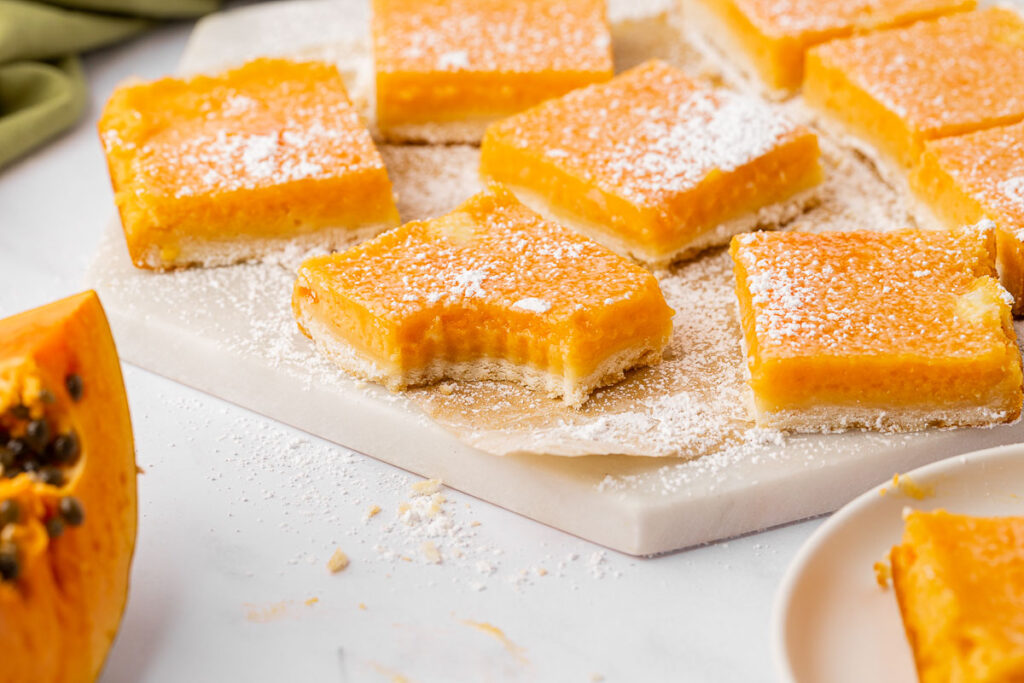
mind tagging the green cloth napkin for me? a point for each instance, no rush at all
(42, 89)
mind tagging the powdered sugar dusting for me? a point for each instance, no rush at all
(866, 293)
(263, 125)
(649, 135)
(535, 305)
(491, 252)
(987, 166)
(301, 493)
(1013, 190)
(491, 35)
(838, 17)
(955, 74)
(231, 162)
(456, 59)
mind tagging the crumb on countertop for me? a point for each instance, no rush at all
(427, 487)
(338, 561)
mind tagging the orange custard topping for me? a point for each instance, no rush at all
(769, 37)
(445, 68)
(652, 163)
(213, 170)
(901, 87)
(967, 178)
(959, 581)
(894, 331)
(488, 291)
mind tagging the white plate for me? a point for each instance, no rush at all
(832, 622)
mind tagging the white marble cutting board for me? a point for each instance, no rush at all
(228, 332)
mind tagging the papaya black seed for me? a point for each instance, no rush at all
(71, 511)
(20, 448)
(51, 476)
(9, 512)
(64, 449)
(9, 566)
(74, 386)
(37, 433)
(54, 527)
(7, 458)
(21, 412)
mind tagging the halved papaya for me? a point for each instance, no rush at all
(67, 492)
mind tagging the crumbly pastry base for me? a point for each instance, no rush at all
(767, 218)
(467, 132)
(575, 394)
(213, 253)
(888, 170)
(840, 418)
(716, 42)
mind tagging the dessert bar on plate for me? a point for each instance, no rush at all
(967, 178)
(654, 164)
(898, 88)
(213, 170)
(897, 331)
(768, 38)
(447, 68)
(959, 581)
(488, 291)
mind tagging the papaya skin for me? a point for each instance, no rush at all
(59, 617)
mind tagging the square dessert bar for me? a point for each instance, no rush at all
(900, 87)
(654, 164)
(488, 291)
(959, 582)
(893, 331)
(213, 170)
(447, 68)
(967, 178)
(768, 38)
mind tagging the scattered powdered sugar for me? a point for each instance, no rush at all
(431, 180)
(1013, 190)
(468, 283)
(535, 305)
(318, 489)
(453, 60)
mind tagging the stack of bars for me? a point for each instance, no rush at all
(594, 180)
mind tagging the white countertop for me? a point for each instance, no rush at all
(238, 516)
